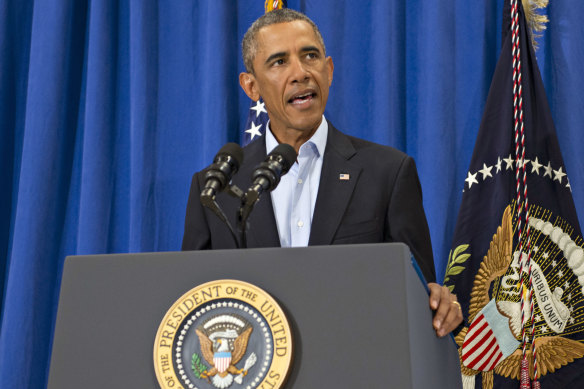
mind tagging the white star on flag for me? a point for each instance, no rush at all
(254, 130)
(548, 170)
(559, 174)
(259, 108)
(498, 165)
(535, 165)
(471, 179)
(509, 162)
(486, 171)
(522, 162)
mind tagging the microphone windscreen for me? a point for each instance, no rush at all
(288, 154)
(234, 150)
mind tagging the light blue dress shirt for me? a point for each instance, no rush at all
(295, 196)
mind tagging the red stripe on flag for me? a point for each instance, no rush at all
(487, 365)
(471, 361)
(476, 327)
(481, 339)
(474, 361)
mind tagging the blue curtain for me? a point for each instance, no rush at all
(108, 107)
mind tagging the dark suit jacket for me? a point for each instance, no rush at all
(381, 202)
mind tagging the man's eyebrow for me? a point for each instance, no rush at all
(309, 48)
(282, 54)
(275, 55)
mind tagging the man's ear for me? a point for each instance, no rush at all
(330, 67)
(249, 85)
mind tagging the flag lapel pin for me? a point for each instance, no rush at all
(344, 177)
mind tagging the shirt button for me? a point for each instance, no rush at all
(300, 223)
(300, 180)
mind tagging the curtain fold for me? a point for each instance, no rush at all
(107, 108)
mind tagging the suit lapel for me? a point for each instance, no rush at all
(263, 231)
(334, 193)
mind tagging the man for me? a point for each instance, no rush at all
(341, 190)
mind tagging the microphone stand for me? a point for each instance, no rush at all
(211, 204)
(266, 177)
(248, 201)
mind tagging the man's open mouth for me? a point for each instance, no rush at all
(302, 98)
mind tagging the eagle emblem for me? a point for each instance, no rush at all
(491, 343)
(220, 334)
(223, 342)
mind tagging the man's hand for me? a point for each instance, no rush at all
(448, 312)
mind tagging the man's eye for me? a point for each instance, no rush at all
(311, 55)
(278, 62)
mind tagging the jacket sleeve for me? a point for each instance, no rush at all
(406, 218)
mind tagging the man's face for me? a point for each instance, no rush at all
(292, 75)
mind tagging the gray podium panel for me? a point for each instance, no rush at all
(359, 315)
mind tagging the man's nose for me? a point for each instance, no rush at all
(299, 71)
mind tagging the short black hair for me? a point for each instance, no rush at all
(249, 45)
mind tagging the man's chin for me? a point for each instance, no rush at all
(307, 125)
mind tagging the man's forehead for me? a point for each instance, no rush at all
(277, 37)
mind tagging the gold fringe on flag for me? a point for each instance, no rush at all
(535, 21)
(271, 5)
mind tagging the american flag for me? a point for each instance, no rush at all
(257, 120)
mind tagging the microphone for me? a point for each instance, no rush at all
(265, 177)
(225, 164)
(267, 174)
(218, 177)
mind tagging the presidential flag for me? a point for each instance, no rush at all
(257, 118)
(517, 263)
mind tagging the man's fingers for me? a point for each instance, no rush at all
(435, 295)
(452, 320)
(444, 306)
(448, 311)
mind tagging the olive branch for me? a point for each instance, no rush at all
(455, 259)
(198, 366)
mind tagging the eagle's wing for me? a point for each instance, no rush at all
(459, 339)
(494, 265)
(510, 366)
(240, 345)
(206, 347)
(553, 352)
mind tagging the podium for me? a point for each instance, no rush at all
(359, 315)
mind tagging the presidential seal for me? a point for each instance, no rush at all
(223, 334)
